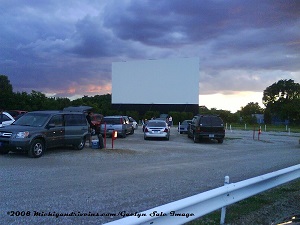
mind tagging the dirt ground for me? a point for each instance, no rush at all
(138, 175)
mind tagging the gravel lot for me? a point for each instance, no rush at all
(134, 176)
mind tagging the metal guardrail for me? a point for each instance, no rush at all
(191, 208)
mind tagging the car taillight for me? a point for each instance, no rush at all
(146, 129)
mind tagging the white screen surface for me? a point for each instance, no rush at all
(166, 81)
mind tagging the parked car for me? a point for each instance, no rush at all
(183, 128)
(164, 116)
(161, 118)
(16, 113)
(6, 119)
(19, 116)
(134, 123)
(37, 131)
(206, 127)
(120, 124)
(96, 119)
(82, 108)
(157, 129)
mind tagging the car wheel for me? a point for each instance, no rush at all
(195, 139)
(220, 141)
(123, 134)
(4, 151)
(145, 138)
(81, 145)
(132, 131)
(36, 149)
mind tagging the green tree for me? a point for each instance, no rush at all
(186, 116)
(149, 114)
(248, 111)
(6, 93)
(21, 101)
(226, 115)
(38, 100)
(282, 99)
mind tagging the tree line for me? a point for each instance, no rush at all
(281, 100)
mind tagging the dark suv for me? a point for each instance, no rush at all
(36, 131)
(206, 127)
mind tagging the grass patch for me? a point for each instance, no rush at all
(275, 128)
(249, 205)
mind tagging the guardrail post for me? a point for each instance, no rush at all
(223, 211)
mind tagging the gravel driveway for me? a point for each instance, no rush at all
(134, 176)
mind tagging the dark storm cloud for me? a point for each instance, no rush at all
(67, 47)
(154, 22)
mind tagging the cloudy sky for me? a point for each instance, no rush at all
(65, 48)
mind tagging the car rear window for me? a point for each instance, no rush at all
(216, 121)
(186, 122)
(205, 121)
(211, 121)
(96, 117)
(112, 120)
(156, 124)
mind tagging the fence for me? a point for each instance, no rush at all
(193, 207)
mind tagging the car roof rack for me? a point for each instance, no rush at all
(82, 108)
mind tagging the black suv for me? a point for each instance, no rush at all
(36, 131)
(206, 127)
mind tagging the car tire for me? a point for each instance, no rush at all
(195, 139)
(36, 149)
(4, 151)
(145, 138)
(132, 131)
(81, 145)
(220, 141)
(123, 135)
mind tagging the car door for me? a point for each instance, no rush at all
(127, 125)
(56, 132)
(192, 126)
(76, 128)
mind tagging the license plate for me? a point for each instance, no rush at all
(211, 135)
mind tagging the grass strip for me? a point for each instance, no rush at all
(255, 203)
